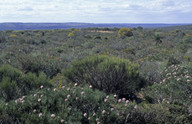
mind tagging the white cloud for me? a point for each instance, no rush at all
(113, 11)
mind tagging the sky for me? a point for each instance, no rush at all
(97, 11)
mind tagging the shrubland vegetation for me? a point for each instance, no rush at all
(96, 75)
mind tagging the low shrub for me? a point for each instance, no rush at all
(13, 83)
(66, 105)
(108, 74)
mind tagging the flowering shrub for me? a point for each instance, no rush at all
(13, 83)
(67, 105)
(108, 74)
(175, 86)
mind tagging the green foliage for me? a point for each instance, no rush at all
(48, 65)
(175, 86)
(13, 83)
(108, 74)
(69, 104)
(157, 114)
(125, 32)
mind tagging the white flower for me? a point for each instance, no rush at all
(82, 93)
(41, 86)
(39, 100)
(90, 86)
(68, 96)
(52, 115)
(115, 96)
(62, 120)
(85, 114)
(35, 95)
(103, 112)
(40, 114)
(75, 84)
(34, 110)
(94, 114)
(54, 89)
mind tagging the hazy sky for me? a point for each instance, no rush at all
(97, 11)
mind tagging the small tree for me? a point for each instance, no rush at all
(108, 74)
(125, 32)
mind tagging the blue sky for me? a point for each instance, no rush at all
(97, 11)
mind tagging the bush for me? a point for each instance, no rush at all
(175, 87)
(50, 66)
(13, 83)
(108, 74)
(125, 32)
(157, 114)
(69, 104)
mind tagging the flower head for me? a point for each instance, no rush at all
(40, 114)
(41, 86)
(82, 93)
(85, 114)
(52, 115)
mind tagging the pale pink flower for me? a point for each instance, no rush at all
(68, 96)
(42, 95)
(85, 114)
(97, 119)
(52, 115)
(62, 120)
(54, 89)
(188, 80)
(68, 89)
(127, 101)
(34, 110)
(75, 84)
(103, 112)
(90, 86)
(6, 104)
(94, 114)
(66, 100)
(77, 98)
(105, 100)
(112, 109)
(178, 79)
(63, 87)
(123, 99)
(115, 96)
(164, 80)
(89, 118)
(22, 101)
(82, 93)
(16, 101)
(40, 114)
(119, 100)
(39, 100)
(35, 95)
(41, 86)
(135, 107)
(107, 97)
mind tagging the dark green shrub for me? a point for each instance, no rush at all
(108, 74)
(157, 114)
(13, 83)
(50, 66)
(175, 86)
(71, 104)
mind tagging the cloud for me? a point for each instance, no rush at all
(98, 11)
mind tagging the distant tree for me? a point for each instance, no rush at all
(140, 28)
(125, 32)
